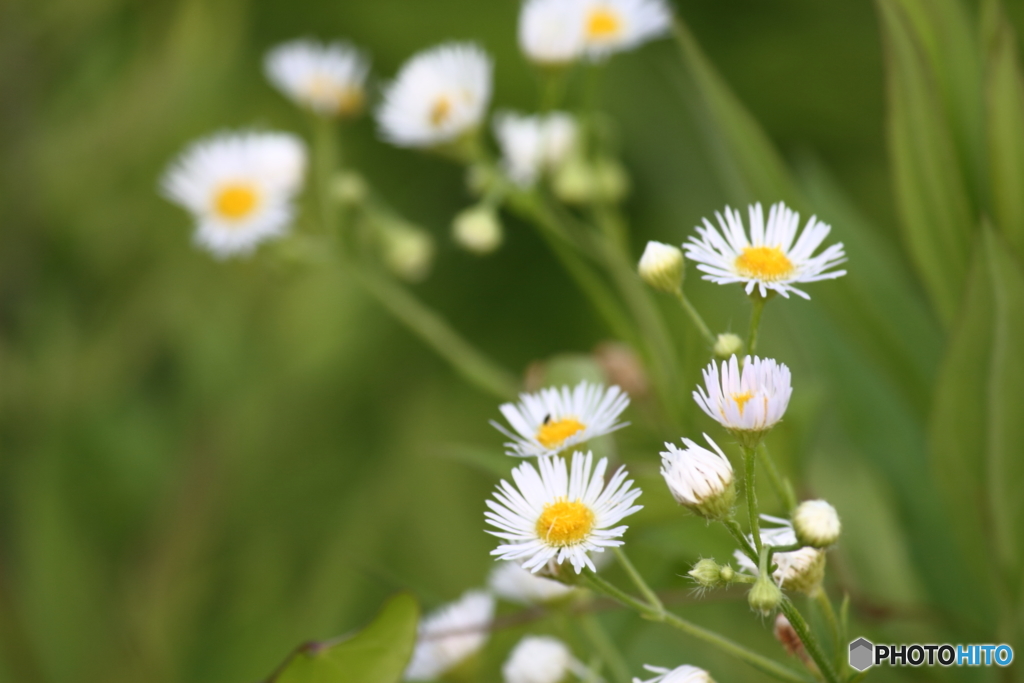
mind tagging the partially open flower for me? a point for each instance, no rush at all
(450, 635)
(700, 479)
(747, 402)
(328, 79)
(816, 523)
(551, 32)
(532, 145)
(513, 583)
(662, 267)
(800, 570)
(540, 659)
(611, 26)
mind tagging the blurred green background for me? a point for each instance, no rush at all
(204, 464)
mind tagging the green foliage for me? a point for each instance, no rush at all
(377, 654)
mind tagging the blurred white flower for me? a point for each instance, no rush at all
(816, 523)
(513, 583)
(329, 79)
(558, 418)
(438, 96)
(767, 260)
(450, 635)
(558, 515)
(661, 267)
(239, 187)
(611, 26)
(680, 674)
(799, 570)
(540, 659)
(699, 479)
(727, 344)
(551, 31)
(747, 402)
(531, 145)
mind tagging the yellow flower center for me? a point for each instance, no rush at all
(236, 201)
(441, 110)
(741, 399)
(603, 23)
(347, 101)
(764, 263)
(565, 523)
(554, 432)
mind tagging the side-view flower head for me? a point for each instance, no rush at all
(700, 479)
(239, 187)
(551, 31)
(541, 659)
(799, 570)
(450, 635)
(511, 582)
(557, 418)
(680, 674)
(611, 26)
(554, 514)
(438, 96)
(771, 258)
(531, 145)
(747, 402)
(326, 78)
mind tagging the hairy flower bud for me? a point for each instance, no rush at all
(816, 523)
(764, 596)
(706, 573)
(801, 570)
(478, 230)
(662, 267)
(727, 345)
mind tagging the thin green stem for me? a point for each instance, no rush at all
(759, 662)
(737, 533)
(553, 82)
(435, 331)
(638, 580)
(755, 322)
(695, 316)
(327, 160)
(835, 630)
(783, 489)
(799, 625)
(605, 646)
(751, 491)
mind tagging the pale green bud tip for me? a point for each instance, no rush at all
(765, 596)
(662, 266)
(728, 345)
(707, 573)
(478, 230)
(409, 253)
(816, 523)
(349, 188)
(575, 181)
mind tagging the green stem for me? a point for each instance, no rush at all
(605, 646)
(755, 322)
(751, 491)
(825, 605)
(783, 489)
(799, 625)
(638, 580)
(734, 528)
(473, 365)
(695, 316)
(759, 662)
(553, 81)
(327, 159)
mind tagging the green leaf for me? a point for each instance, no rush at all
(1004, 99)
(377, 654)
(976, 435)
(932, 187)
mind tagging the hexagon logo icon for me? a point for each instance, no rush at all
(862, 653)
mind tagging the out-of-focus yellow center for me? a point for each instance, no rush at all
(346, 100)
(603, 23)
(565, 523)
(554, 432)
(741, 399)
(764, 263)
(441, 110)
(236, 201)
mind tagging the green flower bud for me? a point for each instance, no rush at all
(477, 229)
(574, 181)
(707, 573)
(662, 266)
(349, 188)
(727, 345)
(764, 596)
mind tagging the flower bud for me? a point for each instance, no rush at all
(477, 229)
(611, 183)
(574, 182)
(706, 573)
(540, 659)
(816, 523)
(349, 188)
(408, 251)
(801, 570)
(662, 267)
(700, 479)
(764, 596)
(727, 345)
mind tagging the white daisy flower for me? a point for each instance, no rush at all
(680, 674)
(329, 79)
(438, 96)
(557, 515)
(511, 582)
(551, 32)
(450, 635)
(555, 419)
(611, 26)
(749, 402)
(540, 659)
(239, 187)
(768, 260)
(699, 479)
(799, 570)
(531, 145)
